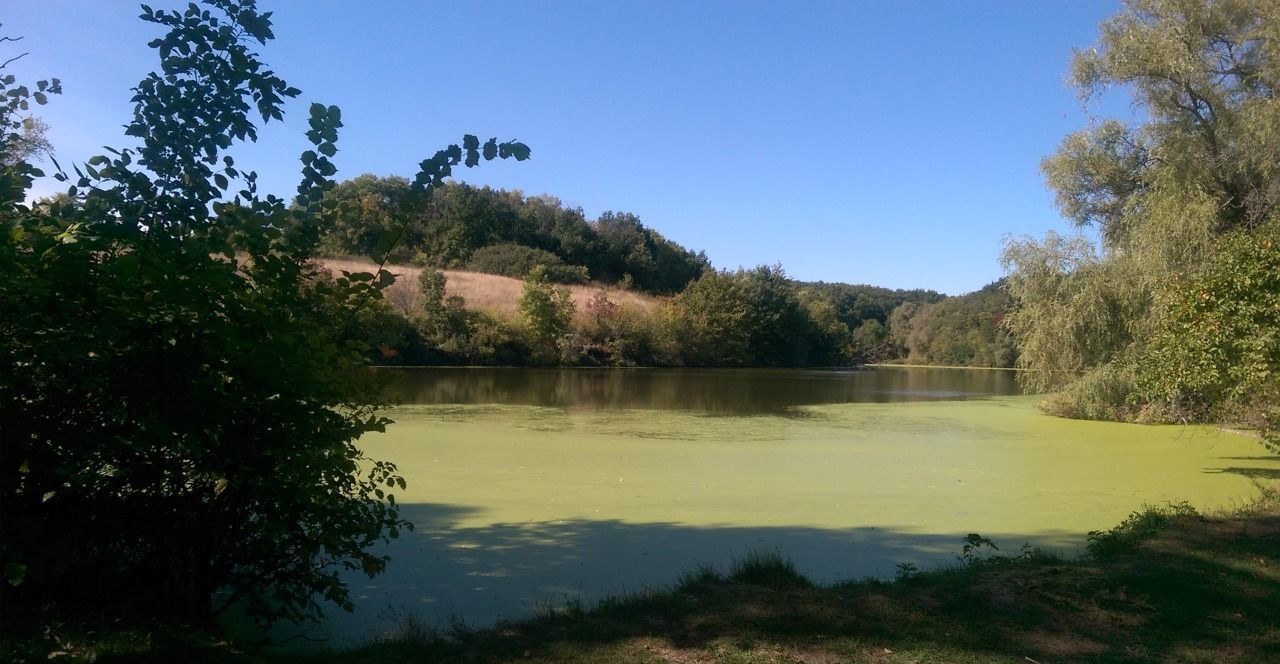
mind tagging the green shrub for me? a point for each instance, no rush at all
(545, 314)
(613, 335)
(1102, 393)
(1216, 351)
(515, 260)
(975, 545)
(492, 341)
(1137, 528)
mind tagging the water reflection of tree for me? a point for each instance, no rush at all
(715, 391)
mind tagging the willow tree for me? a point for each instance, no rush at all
(1167, 197)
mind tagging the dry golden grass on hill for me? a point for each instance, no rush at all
(487, 292)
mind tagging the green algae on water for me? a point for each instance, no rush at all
(522, 500)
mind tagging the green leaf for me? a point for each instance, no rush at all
(15, 573)
(518, 150)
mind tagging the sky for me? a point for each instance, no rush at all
(888, 143)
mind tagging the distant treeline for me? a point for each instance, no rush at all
(747, 317)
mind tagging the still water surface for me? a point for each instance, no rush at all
(530, 487)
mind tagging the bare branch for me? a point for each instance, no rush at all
(16, 57)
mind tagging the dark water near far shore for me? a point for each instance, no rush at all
(712, 391)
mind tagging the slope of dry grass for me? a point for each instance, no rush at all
(487, 292)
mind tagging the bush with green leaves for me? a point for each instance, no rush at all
(615, 335)
(179, 394)
(1216, 352)
(514, 260)
(441, 316)
(744, 318)
(545, 313)
(1104, 392)
(1137, 528)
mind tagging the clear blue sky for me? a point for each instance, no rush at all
(891, 143)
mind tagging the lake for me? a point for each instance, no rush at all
(532, 488)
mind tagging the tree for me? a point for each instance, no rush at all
(1166, 196)
(369, 215)
(1074, 313)
(744, 318)
(30, 142)
(178, 406)
(624, 246)
(870, 341)
(22, 135)
(545, 313)
(442, 321)
(832, 344)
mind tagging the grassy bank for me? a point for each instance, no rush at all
(1166, 585)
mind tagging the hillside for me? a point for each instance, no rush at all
(743, 318)
(485, 292)
(486, 240)
(461, 227)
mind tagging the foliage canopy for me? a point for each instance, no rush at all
(179, 400)
(1187, 206)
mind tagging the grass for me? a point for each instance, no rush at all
(486, 292)
(769, 569)
(1167, 585)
